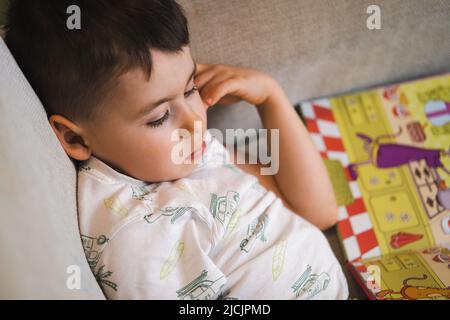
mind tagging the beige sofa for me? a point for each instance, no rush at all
(313, 48)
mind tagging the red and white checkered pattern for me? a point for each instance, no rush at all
(354, 224)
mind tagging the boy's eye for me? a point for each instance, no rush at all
(190, 92)
(160, 121)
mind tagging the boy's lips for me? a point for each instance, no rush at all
(199, 151)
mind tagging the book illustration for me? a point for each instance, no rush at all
(201, 288)
(310, 284)
(222, 208)
(390, 155)
(387, 152)
(414, 292)
(170, 263)
(392, 146)
(412, 275)
(92, 247)
(173, 212)
(255, 230)
(438, 112)
(440, 255)
(401, 239)
(445, 223)
(339, 182)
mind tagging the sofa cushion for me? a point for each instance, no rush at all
(39, 238)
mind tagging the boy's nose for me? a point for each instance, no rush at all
(190, 117)
(193, 122)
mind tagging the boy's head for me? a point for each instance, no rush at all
(99, 84)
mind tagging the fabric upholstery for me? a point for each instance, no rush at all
(39, 236)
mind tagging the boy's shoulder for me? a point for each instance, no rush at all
(107, 200)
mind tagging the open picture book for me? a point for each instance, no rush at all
(387, 152)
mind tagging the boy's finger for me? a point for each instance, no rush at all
(202, 79)
(209, 77)
(209, 87)
(229, 86)
(202, 67)
(204, 74)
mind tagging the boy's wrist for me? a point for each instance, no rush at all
(275, 96)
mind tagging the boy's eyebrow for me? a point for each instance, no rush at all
(153, 105)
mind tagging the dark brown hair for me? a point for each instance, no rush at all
(72, 71)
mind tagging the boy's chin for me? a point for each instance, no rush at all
(184, 170)
(190, 167)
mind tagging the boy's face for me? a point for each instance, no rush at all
(123, 136)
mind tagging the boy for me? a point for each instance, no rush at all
(117, 93)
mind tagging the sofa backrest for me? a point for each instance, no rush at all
(40, 246)
(318, 48)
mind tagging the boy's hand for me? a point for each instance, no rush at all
(223, 84)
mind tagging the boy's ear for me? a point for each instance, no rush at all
(71, 137)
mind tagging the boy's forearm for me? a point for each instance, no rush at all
(302, 177)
